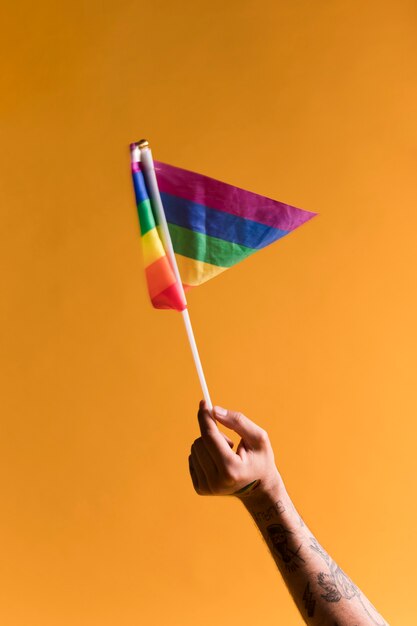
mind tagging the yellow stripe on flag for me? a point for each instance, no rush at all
(195, 272)
(152, 247)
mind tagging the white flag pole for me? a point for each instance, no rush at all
(152, 184)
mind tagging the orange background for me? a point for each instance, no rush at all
(312, 103)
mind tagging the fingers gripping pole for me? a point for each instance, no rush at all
(149, 171)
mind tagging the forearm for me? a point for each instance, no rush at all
(322, 592)
(324, 595)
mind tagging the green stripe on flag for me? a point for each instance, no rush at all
(146, 216)
(206, 248)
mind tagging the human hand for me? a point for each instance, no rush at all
(216, 469)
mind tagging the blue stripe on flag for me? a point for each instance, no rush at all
(141, 192)
(220, 224)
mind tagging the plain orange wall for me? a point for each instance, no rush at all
(312, 103)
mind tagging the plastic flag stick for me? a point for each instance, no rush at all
(144, 154)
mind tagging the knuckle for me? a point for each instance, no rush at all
(206, 432)
(229, 475)
(263, 436)
(238, 418)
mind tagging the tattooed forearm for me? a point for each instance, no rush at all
(337, 585)
(309, 601)
(278, 536)
(270, 513)
(317, 548)
(322, 592)
(327, 583)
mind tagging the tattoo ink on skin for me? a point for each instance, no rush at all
(337, 585)
(278, 536)
(317, 548)
(309, 601)
(327, 583)
(273, 511)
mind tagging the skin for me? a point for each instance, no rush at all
(323, 593)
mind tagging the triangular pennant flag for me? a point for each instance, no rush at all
(214, 225)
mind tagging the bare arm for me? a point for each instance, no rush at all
(322, 592)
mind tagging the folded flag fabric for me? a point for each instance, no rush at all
(164, 291)
(213, 226)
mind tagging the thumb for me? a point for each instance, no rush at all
(242, 425)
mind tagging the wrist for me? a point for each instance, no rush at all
(267, 491)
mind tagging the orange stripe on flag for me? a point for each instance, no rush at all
(159, 276)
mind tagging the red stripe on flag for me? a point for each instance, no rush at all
(170, 298)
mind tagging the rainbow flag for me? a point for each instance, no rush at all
(163, 287)
(213, 226)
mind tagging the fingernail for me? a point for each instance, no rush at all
(220, 411)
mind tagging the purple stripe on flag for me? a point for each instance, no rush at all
(223, 197)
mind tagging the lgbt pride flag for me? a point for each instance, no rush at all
(194, 227)
(163, 287)
(212, 226)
